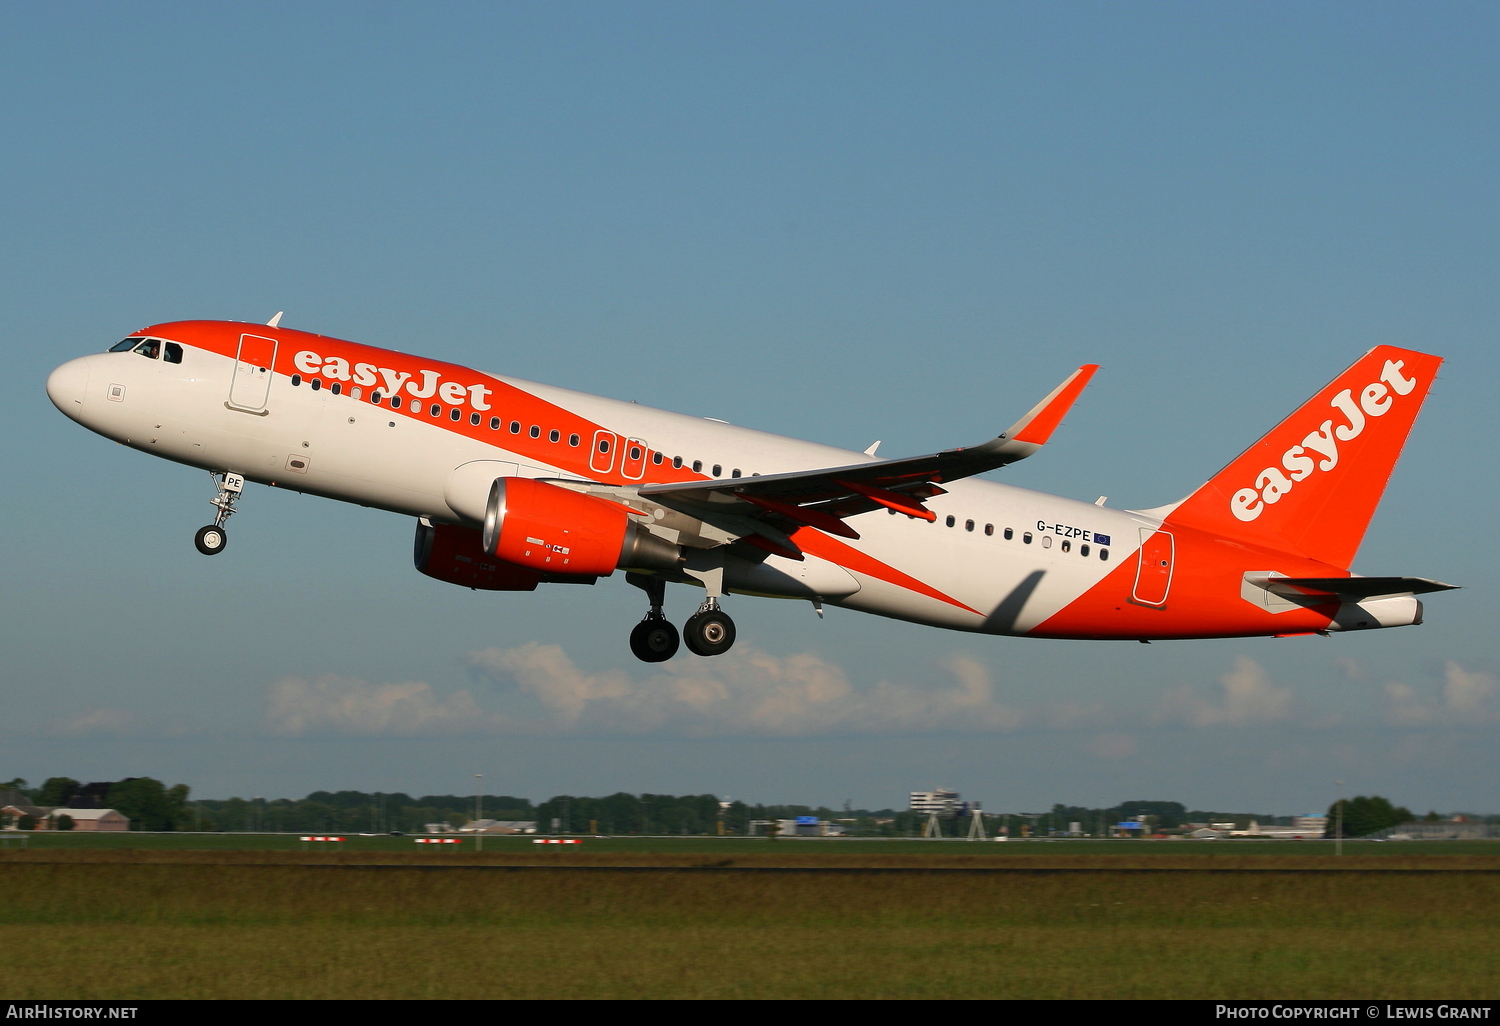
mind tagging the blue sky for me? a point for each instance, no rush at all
(842, 222)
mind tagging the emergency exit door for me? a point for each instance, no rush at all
(251, 385)
(1153, 575)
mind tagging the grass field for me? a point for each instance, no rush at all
(83, 919)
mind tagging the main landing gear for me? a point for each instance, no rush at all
(211, 540)
(654, 639)
(708, 632)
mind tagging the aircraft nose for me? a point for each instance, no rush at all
(67, 386)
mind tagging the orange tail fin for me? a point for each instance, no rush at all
(1311, 485)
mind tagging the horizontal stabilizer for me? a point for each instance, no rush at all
(1355, 587)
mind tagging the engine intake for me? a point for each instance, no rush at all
(553, 530)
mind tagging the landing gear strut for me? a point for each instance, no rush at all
(654, 639)
(211, 540)
(709, 631)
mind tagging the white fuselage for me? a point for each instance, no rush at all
(340, 447)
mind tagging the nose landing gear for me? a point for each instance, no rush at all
(211, 540)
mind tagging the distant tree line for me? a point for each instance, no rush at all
(146, 802)
(1362, 816)
(151, 805)
(356, 812)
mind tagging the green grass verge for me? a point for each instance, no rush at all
(75, 929)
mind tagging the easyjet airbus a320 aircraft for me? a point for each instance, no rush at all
(515, 484)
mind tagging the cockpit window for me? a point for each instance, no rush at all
(173, 353)
(125, 345)
(149, 348)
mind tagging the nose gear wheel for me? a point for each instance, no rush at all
(211, 540)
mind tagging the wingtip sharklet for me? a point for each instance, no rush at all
(1036, 427)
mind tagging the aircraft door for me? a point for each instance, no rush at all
(251, 384)
(602, 457)
(633, 459)
(1153, 575)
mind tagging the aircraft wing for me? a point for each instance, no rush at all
(823, 498)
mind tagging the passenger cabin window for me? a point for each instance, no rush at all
(296, 380)
(455, 414)
(676, 462)
(173, 353)
(1026, 537)
(1009, 534)
(125, 345)
(656, 458)
(494, 423)
(718, 470)
(374, 396)
(536, 431)
(1067, 546)
(951, 520)
(697, 466)
(989, 530)
(149, 348)
(395, 402)
(1083, 550)
(515, 427)
(554, 435)
(968, 525)
(436, 410)
(317, 383)
(336, 388)
(474, 419)
(1104, 555)
(573, 440)
(735, 472)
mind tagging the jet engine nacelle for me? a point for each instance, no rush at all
(454, 554)
(554, 530)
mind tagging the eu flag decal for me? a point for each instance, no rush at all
(1101, 539)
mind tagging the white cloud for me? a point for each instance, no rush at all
(345, 705)
(1248, 698)
(747, 691)
(96, 721)
(1349, 668)
(1466, 698)
(1403, 707)
(750, 692)
(1466, 692)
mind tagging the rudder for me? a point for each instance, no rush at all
(1311, 485)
